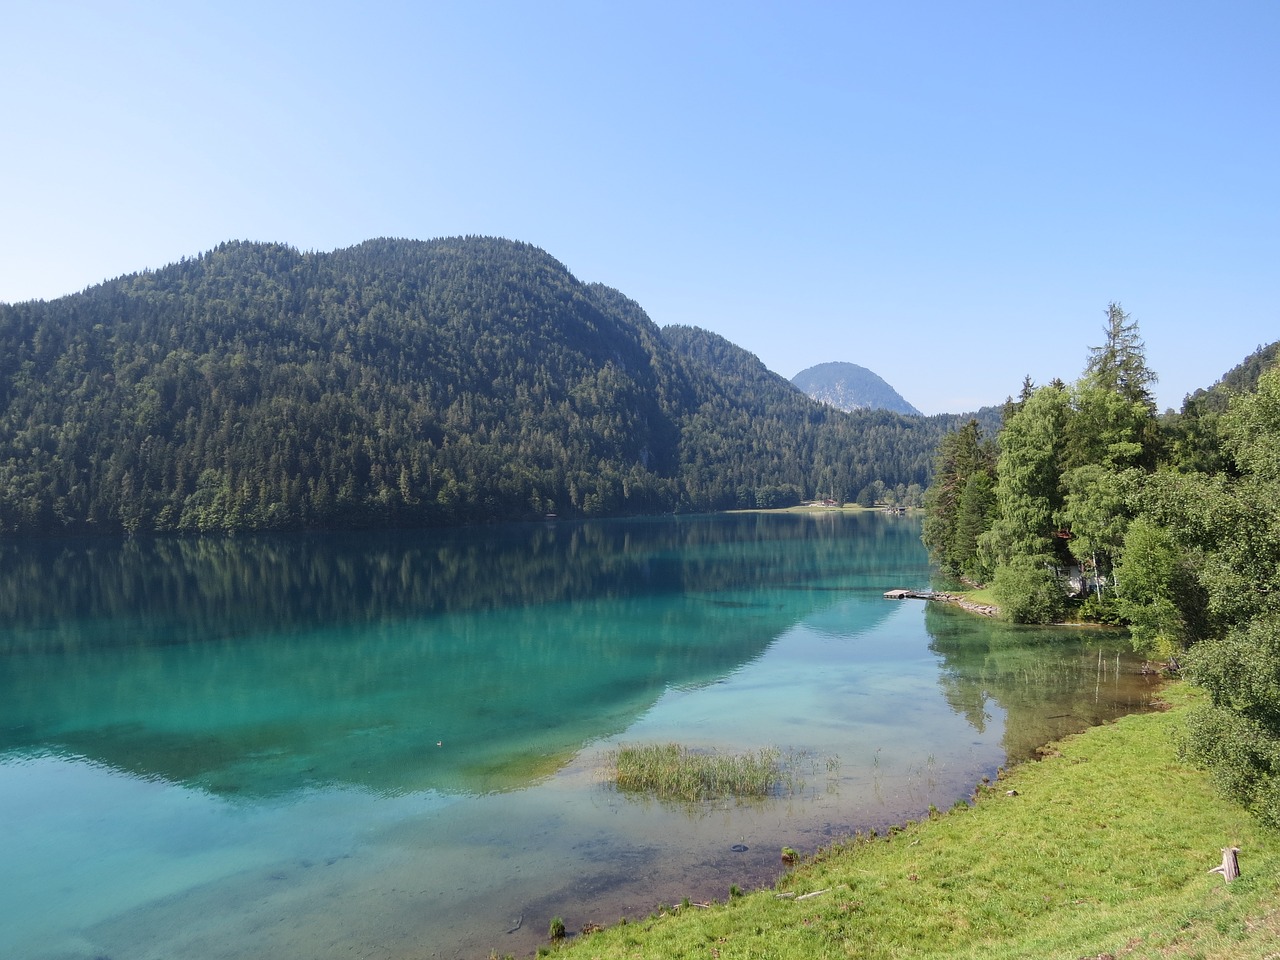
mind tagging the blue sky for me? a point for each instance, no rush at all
(949, 194)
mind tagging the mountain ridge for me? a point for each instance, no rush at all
(402, 383)
(850, 387)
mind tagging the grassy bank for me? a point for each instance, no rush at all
(1101, 849)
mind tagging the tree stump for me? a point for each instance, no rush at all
(1230, 868)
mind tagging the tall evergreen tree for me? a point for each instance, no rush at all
(954, 512)
(1120, 364)
(1028, 491)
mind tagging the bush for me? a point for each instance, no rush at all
(1238, 735)
(1102, 609)
(1027, 591)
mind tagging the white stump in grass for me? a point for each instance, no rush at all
(1230, 868)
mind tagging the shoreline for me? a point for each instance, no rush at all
(981, 609)
(1148, 889)
(937, 596)
(604, 913)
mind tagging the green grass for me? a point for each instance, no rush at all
(983, 596)
(673, 772)
(1103, 849)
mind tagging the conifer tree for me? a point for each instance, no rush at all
(1120, 364)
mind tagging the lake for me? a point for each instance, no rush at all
(396, 745)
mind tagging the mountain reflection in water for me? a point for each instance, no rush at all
(263, 665)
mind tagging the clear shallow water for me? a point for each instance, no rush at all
(392, 745)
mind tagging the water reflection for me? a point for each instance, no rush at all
(458, 661)
(218, 587)
(327, 732)
(1046, 682)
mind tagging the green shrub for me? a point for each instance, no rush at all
(1027, 591)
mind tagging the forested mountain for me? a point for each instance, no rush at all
(401, 383)
(745, 411)
(849, 387)
(1242, 378)
(1193, 433)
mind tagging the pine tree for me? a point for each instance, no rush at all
(1120, 364)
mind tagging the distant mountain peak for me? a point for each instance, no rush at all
(847, 386)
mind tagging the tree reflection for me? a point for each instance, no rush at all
(1047, 682)
(462, 661)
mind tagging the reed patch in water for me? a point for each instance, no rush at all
(671, 771)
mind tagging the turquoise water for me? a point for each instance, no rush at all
(394, 745)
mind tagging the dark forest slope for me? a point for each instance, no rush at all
(1194, 430)
(399, 383)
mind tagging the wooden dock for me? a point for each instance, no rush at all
(902, 594)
